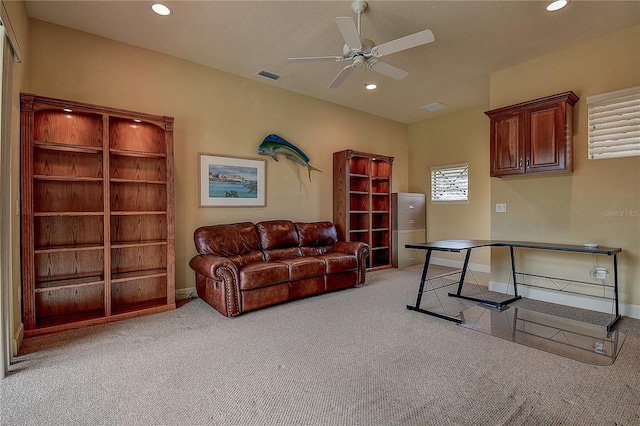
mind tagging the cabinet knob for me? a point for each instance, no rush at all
(411, 207)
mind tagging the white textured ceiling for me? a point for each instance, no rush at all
(472, 40)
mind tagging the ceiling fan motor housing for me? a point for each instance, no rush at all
(367, 45)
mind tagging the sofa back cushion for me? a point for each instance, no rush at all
(317, 234)
(236, 239)
(277, 234)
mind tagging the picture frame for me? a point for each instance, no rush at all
(231, 181)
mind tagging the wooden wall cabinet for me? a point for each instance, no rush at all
(409, 215)
(533, 137)
(362, 202)
(97, 214)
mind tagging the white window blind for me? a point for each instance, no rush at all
(614, 124)
(450, 183)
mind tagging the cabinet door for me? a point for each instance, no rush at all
(507, 144)
(547, 150)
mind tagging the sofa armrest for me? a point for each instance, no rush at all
(360, 250)
(208, 265)
(216, 270)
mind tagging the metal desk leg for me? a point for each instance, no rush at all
(487, 302)
(416, 308)
(425, 269)
(513, 271)
(463, 272)
(615, 292)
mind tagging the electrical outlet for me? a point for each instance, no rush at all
(501, 208)
(601, 273)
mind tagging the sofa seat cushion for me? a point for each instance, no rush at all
(304, 267)
(339, 262)
(256, 275)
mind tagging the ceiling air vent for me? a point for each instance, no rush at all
(436, 106)
(269, 75)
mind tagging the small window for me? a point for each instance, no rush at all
(614, 124)
(450, 183)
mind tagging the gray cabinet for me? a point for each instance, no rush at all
(409, 226)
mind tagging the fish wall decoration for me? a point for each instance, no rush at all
(274, 145)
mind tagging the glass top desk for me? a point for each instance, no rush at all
(466, 246)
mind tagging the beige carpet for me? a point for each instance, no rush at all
(354, 357)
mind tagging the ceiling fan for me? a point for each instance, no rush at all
(361, 51)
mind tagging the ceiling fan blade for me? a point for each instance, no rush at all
(317, 59)
(349, 32)
(403, 43)
(387, 69)
(341, 77)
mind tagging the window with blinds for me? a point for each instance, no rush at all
(614, 124)
(450, 183)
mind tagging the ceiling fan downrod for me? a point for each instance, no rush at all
(359, 7)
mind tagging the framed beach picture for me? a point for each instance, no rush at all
(231, 181)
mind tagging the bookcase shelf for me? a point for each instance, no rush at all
(66, 147)
(70, 283)
(97, 214)
(361, 202)
(140, 154)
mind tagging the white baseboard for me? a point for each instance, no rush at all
(186, 293)
(458, 264)
(575, 300)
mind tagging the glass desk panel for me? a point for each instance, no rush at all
(577, 340)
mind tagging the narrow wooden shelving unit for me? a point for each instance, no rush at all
(362, 202)
(97, 214)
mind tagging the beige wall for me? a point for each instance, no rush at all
(460, 137)
(215, 112)
(574, 208)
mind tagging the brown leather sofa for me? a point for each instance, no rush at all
(241, 267)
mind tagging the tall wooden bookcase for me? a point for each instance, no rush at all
(362, 202)
(97, 214)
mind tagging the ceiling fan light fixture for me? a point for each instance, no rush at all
(370, 86)
(161, 9)
(557, 5)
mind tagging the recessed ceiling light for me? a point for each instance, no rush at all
(370, 86)
(137, 120)
(67, 109)
(557, 5)
(161, 9)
